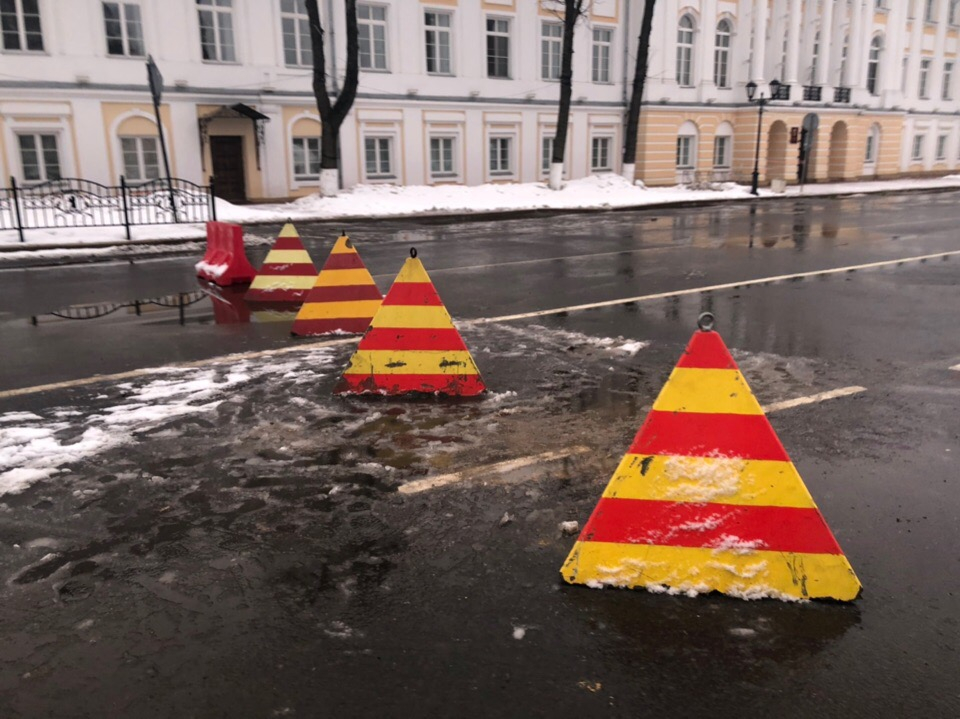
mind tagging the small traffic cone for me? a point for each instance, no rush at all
(287, 274)
(344, 297)
(411, 345)
(707, 499)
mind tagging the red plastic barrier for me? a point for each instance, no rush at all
(225, 262)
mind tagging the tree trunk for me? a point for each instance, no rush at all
(639, 78)
(571, 13)
(332, 115)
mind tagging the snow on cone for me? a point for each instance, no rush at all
(706, 499)
(287, 274)
(344, 297)
(412, 345)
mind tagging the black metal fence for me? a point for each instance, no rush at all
(72, 202)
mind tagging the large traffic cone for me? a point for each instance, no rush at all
(287, 274)
(707, 499)
(344, 297)
(412, 345)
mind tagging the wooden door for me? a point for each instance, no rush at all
(226, 155)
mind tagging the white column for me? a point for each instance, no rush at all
(273, 152)
(809, 35)
(705, 42)
(936, 72)
(826, 37)
(760, 13)
(916, 46)
(794, 20)
(890, 63)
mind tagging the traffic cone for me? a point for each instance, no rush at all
(707, 499)
(412, 345)
(344, 298)
(288, 272)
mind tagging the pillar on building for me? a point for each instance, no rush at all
(708, 27)
(826, 35)
(794, 21)
(760, 13)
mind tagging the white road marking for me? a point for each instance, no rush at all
(710, 288)
(442, 480)
(813, 398)
(956, 367)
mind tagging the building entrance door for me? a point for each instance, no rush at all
(226, 157)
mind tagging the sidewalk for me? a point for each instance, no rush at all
(374, 202)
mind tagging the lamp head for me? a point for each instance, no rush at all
(751, 90)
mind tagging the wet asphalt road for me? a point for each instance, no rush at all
(256, 559)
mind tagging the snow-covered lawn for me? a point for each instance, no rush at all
(598, 192)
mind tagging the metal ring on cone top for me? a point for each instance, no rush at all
(706, 321)
(413, 252)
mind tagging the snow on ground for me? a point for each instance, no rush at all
(33, 448)
(597, 192)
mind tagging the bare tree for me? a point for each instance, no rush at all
(333, 114)
(639, 78)
(573, 10)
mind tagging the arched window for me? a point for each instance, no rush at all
(873, 145)
(873, 64)
(685, 52)
(687, 146)
(723, 146)
(721, 55)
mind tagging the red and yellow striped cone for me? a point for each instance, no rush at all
(707, 499)
(412, 345)
(287, 274)
(344, 297)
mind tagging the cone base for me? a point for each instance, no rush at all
(318, 328)
(277, 295)
(401, 384)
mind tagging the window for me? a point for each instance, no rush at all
(297, 50)
(685, 52)
(917, 154)
(140, 158)
(498, 47)
(815, 58)
(843, 61)
(39, 157)
(721, 152)
(20, 25)
(952, 12)
(600, 154)
(377, 156)
(216, 30)
(551, 43)
(602, 43)
(124, 28)
(306, 158)
(873, 64)
(685, 152)
(372, 36)
(441, 157)
(904, 67)
(942, 147)
(924, 77)
(500, 152)
(930, 11)
(873, 143)
(721, 55)
(546, 156)
(947, 92)
(437, 26)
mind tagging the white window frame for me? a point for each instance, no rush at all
(873, 65)
(916, 151)
(141, 174)
(123, 12)
(686, 145)
(727, 155)
(941, 148)
(305, 141)
(873, 146)
(498, 33)
(433, 34)
(930, 11)
(443, 175)
(23, 35)
(600, 54)
(379, 141)
(721, 54)
(500, 171)
(222, 16)
(923, 86)
(298, 41)
(551, 50)
(596, 143)
(38, 135)
(815, 57)
(377, 62)
(946, 92)
(546, 152)
(686, 39)
(952, 11)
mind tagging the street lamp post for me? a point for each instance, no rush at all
(761, 103)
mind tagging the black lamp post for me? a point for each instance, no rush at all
(761, 103)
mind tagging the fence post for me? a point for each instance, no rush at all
(213, 201)
(16, 206)
(126, 212)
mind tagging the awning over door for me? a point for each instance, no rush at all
(232, 112)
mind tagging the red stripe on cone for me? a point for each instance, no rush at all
(720, 526)
(288, 243)
(693, 434)
(344, 261)
(343, 293)
(311, 328)
(280, 294)
(706, 350)
(391, 338)
(420, 294)
(462, 385)
(288, 270)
